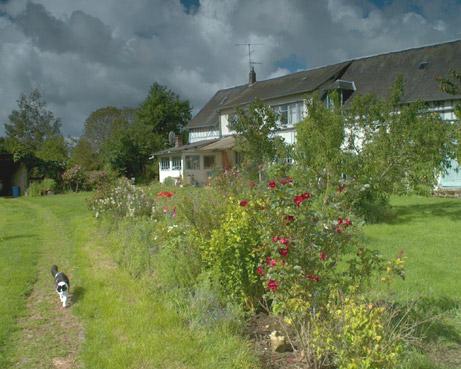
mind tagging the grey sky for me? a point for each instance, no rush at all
(86, 54)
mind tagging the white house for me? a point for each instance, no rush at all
(210, 143)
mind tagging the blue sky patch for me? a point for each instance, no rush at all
(293, 63)
(190, 6)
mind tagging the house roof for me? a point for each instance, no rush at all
(420, 68)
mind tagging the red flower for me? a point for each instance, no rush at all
(299, 199)
(272, 285)
(275, 239)
(348, 222)
(323, 256)
(313, 277)
(271, 262)
(284, 252)
(283, 240)
(260, 270)
(244, 203)
(288, 219)
(340, 220)
(271, 184)
(165, 194)
(286, 180)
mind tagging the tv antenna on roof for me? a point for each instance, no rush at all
(250, 62)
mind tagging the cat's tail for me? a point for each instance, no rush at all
(54, 271)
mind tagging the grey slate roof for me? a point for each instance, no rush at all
(420, 68)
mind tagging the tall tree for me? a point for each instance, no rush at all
(30, 126)
(163, 111)
(100, 124)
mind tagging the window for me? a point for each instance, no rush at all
(208, 161)
(165, 163)
(289, 114)
(192, 162)
(176, 163)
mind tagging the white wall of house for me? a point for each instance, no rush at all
(173, 170)
(204, 133)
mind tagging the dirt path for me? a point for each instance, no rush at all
(49, 335)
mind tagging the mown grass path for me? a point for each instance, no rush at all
(114, 321)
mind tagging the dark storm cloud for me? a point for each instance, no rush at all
(88, 54)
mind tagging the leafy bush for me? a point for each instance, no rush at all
(123, 200)
(41, 188)
(74, 178)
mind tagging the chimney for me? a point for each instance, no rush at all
(178, 142)
(252, 76)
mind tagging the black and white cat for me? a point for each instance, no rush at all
(62, 284)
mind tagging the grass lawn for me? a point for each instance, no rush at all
(428, 231)
(19, 246)
(114, 321)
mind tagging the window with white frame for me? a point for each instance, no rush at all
(165, 163)
(208, 161)
(289, 114)
(176, 163)
(192, 162)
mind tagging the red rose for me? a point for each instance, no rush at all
(284, 252)
(244, 203)
(283, 240)
(323, 256)
(272, 285)
(260, 270)
(299, 199)
(271, 262)
(271, 184)
(313, 277)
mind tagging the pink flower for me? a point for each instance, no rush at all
(299, 199)
(284, 252)
(286, 180)
(313, 277)
(271, 184)
(165, 209)
(283, 240)
(167, 194)
(323, 256)
(244, 203)
(272, 285)
(260, 270)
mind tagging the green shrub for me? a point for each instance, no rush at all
(41, 188)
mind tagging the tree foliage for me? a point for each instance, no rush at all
(374, 147)
(163, 111)
(30, 126)
(256, 139)
(100, 124)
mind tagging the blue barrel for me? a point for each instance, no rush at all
(15, 191)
